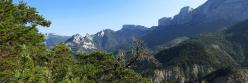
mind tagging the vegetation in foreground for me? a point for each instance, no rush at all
(24, 57)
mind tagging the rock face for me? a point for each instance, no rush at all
(228, 10)
(213, 16)
(231, 11)
(184, 16)
(180, 74)
(79, 43)
(107, 40)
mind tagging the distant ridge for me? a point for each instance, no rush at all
(212, 16)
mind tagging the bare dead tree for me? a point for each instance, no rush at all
(139, 53)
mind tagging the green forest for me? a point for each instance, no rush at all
(25, 59)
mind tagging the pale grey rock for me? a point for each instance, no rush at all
(182, 75)
(184, 16)
(107, 39)
(79, 43)
(226, 11)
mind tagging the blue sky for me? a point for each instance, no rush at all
(90, 16)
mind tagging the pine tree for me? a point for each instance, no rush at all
(21, 45)
(25, 59)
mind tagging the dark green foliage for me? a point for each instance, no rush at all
(196, 51)
(210, 50)
(60, 63)
(207, 51)
(21, 46)
(25, 59)
(238, 35)
(103, 67)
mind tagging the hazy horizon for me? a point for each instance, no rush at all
(91, 16)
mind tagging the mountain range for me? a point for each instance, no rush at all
(105, 40)
(53, 39)
(212, 16)
(202, 55)
(206, 44)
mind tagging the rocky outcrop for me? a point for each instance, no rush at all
(107, 40)
(79, 43)
(229, 11)
(180, 74)
(212, 16)
(184, 16)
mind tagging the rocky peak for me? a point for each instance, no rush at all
(101, 33)
(78, 41)
(88, 43)
(87, 35)
(231, 11)
(186, 10)
(225, 11)
(133, 27)
(184, 16)
(88, 38)
(107, 31)
(104, 32)
(77, 38)
(76, 35)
